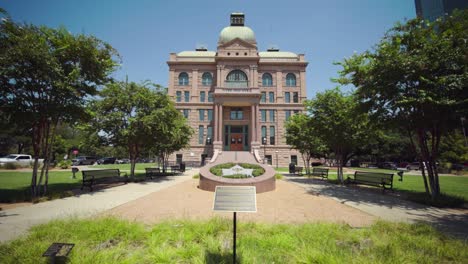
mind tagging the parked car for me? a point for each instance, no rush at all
(84, 160)
(414, 166)
(122, 161)
(388, 165)
(458, 167)
(108, 160)
(18, 159)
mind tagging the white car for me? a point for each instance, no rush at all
(19, 159)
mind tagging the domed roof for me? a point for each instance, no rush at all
(232, 32)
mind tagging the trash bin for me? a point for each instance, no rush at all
(182, 166)
(292, 167)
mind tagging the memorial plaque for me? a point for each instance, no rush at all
(235, 199)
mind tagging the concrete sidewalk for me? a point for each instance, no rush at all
(388, 206)
(16, 221)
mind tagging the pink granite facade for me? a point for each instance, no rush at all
(237, 98)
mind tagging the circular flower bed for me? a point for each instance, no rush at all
(256, 170)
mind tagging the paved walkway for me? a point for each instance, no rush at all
(388, 206)
(15, 222)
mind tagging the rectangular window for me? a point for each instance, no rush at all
(287, 114)
(210, 97)
(201, 131)
(263, 98)
(268, 159)
(271, 96)
(201, 114)
(295, 97)
(263, 115)
(210, 114)
(178, 96)
(272, 135)
(272, 115)
(264, 134)
(287, 97)
(209, 135)
(186, 96)
(237, 114)
(294, 159)
(179, 158)
(202, 96)
(186, 113)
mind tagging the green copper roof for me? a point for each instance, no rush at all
(277, 54)
(230, 33)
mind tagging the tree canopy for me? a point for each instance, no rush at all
(47, 76)
(416, 78)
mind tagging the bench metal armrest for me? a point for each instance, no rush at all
(400, 173)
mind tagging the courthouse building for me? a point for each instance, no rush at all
(238, 98)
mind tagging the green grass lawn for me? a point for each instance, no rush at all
(15, 185)
(109, 240)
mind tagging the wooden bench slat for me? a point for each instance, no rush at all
(373, 178)
(90, 177)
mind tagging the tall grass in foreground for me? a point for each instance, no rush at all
(109, 240)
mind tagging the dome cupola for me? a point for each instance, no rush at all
(237, 30)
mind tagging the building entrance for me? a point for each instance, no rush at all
(236, 138)
(236, 142)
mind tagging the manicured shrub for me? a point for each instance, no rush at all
(64, 164)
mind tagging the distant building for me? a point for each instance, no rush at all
(432, 9)
(237, 98)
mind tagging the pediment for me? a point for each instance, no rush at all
(237, 43)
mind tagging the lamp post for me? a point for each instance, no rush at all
(264, 141)
(276, 159)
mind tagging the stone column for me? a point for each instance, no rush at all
(171, 83)
(303, 93)
(279, 87)
(215, 123)
(252, 122)
(218, 75)
(195, 92)
(220, 123)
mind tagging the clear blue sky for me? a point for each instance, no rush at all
(145, 32)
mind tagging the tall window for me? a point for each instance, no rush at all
(272, 115)
(186, 113)
(287, 114)
(237, 75)
(183, 78)
(271, 96)
(264, 134)
(272, 135)
(263, 98)
(202, 96)
(263, 115)
(209, 135)
(295, 97)
(207, 80)
(178, 96)
(236, 79)
(210, 97)
(201, 131)
(201, 114)
(294, 159)
(267, 80)
(210, 114)
(186, 96)
(287, 97)
(290, 79)
(237, 114)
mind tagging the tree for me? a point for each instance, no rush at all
(416, 79)
(302, 135)
(340, 125)
(138, 118)
(47, 75)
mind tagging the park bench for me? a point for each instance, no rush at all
(91, 177)
(384, 180)
(153, 172)
(298, 170)
(321, 172)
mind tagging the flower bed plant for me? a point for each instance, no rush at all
(218, 170)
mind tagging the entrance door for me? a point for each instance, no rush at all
(236, 142)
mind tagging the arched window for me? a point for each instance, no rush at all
(236, 79)
(207, 80)
(237, 75)
(290, 79)
(183, 78)
(267, 80)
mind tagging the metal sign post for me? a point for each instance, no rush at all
(235, 199)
